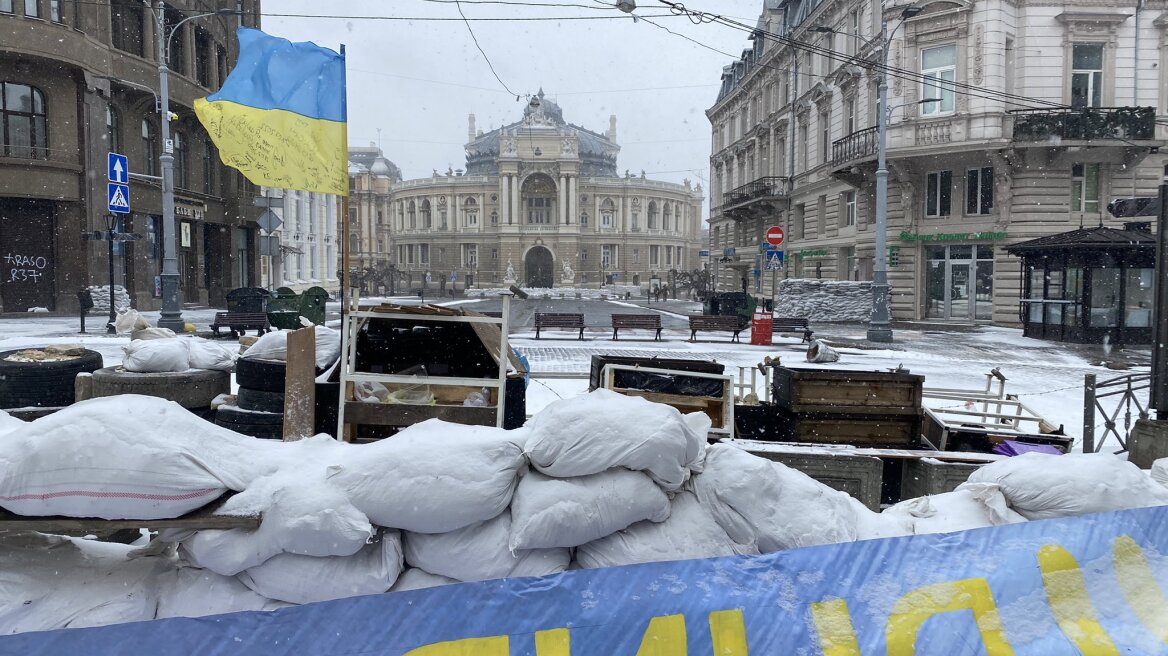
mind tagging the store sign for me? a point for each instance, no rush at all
(189, 210)
(954, 236)
(818, 252)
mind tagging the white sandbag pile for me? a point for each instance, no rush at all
(100, 295)
(9, 423)
(274, 346)
(973, 505)
(480, 552)
(1039, 487)
(301, 579)
(124, 457)
(156, 356)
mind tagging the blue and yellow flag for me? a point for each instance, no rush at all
(280, 116)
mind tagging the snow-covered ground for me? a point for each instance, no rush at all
(1046, 376)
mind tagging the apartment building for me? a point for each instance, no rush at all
(1006, 121)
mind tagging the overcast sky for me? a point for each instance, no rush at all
(417, 80)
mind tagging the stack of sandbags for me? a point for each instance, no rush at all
(100, 295)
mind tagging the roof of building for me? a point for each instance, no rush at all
(370, 158)
(1133, 236)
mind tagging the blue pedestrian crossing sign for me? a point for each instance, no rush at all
(119, 198)
(119, 168)
(774, 260)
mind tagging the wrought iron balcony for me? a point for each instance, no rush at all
(1086, 124)
(857, 145)
(762, 195)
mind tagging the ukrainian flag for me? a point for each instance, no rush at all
(280, 116)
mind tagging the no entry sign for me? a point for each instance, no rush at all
(775, 235)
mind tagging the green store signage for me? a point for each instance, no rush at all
(953, 236)
(821, 252)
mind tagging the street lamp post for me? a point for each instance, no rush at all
(171, 315)
(111, 222)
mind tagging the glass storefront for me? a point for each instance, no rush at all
(959, 282)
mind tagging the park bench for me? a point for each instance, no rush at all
(241, 322)
(636, 322)
(731, 324)
(792, 325)
(559, 320)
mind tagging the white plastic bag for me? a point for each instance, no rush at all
(433, 477)
(128, 321)
(270, 346)
(308, 579)
(1043, 486)
(479, 552)
(206, 354)
(595, 432)
(690, 532)
(974, 505)
(567, 512)
(755, 499)
(156, 356)
(328, 346)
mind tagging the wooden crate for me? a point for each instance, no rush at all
(839, 391)
(862, 430)
(674, 364)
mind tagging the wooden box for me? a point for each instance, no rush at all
(862, 430)
(840, 391)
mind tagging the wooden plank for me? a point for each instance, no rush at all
(203, 518)
(300, 385)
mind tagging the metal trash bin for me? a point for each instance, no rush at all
(284, 309)
(761, 325)
(248, 299)
(312, 304)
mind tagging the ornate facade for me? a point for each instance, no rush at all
(1007, 121)
(540, 204)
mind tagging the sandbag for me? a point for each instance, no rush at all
(123, 457)
(154, 356)
(1040, 487)
(128, 321)
(328, 346)
(270, 346)
(567, 512)
(9, 423)
(1159, 471)
(51, 582)
(205, 354)
(302, 514)
(152, 332)
(433, 477)
(193, 592)
(755, 499)
(595, 432)
(974, 505)
(479, 552)
(419, 579)
(690, 532)
(308, 579)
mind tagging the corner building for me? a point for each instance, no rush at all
(1008, 120)
(79, 79)
(540, 204)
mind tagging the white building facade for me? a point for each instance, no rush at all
(309, 251)
(1008, 121)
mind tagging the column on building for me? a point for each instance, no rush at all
(561, 199)
(573, 214)
(504, 199)
(515, 199)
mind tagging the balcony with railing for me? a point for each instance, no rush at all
(858, 145)
(1085, 124)
(762, 196)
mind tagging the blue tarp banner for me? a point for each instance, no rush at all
(1092, 585)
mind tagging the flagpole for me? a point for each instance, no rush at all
(345, 282)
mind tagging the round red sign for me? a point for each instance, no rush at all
(775, 236)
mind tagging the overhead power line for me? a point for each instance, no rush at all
(458, 5)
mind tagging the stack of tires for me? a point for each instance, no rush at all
(42, 384)
(259, 409)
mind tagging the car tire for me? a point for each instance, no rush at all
(263, 401)
(42, 384)
(260, 375)
(265, 425)
(192, 389)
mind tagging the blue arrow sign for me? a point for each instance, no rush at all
(703, 253)
(119, 198)
(728, 252)
(119, 168)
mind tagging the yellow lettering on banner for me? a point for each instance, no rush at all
(1067, 594)
(833, 624)
(553, 642)
(1139, 586)
(664, 637)
(492, 646)
(728, 633)
(911, 611)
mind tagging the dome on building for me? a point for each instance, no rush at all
(386, 168)
(597, 152)
(371, 159)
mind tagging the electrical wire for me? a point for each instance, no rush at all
(474, 38)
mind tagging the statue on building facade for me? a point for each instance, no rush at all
(509, 276)
(567, 275)
(568, 145)
(510, 146)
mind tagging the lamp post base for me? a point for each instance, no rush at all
(879, 333)
(171, 316)
(880, 325)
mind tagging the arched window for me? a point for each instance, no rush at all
(113, 129)
(149, 148)
(652, 215)
(607, 210)
(666, 215)
(426, 223)
(181, 171)
(411, 220)
(583, 218)
(494, 218)
(354, 243)
(471, 209)
(22, 121)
